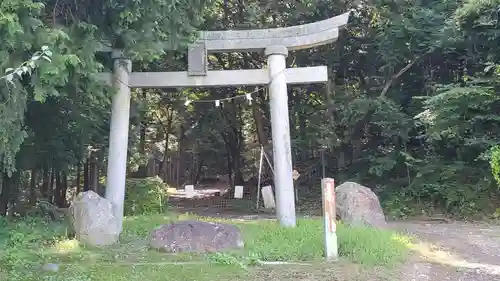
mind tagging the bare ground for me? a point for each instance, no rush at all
(455, 251)
(340, 271)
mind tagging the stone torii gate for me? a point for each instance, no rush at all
(275, 43)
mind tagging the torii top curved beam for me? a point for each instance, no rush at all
(255, 40)
(294, 37)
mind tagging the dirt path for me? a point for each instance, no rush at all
(453, 251)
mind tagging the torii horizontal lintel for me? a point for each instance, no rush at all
(221, 78)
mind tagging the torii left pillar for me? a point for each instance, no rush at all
(118, 136)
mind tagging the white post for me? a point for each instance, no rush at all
(118, 137)
(238, 192)
(189, 190)
(268, 197)
(329, 217)
(282, 155)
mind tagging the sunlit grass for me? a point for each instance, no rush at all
(67, 246)
(131, 259)
(268, 241)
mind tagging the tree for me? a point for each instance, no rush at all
(65, 90)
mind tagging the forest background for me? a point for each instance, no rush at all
(411, 109)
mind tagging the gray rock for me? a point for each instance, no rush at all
(357, 205)
(50, 267)
(196, 236)
(93, 221)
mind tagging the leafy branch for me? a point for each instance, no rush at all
(28, 66)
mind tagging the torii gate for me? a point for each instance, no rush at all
(275, 42)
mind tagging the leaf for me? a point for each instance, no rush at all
(55, 93)
(9, 70)
(9, 77)
(45, 48)
(489, 67)
(39, 95)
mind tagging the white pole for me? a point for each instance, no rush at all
(282, 156)
(269, 162)
(118, 137)
(260, 175)
(329, 217)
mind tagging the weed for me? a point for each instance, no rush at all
(226, 259)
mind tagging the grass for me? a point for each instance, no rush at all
(28, 244)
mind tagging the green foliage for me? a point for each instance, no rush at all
(225, 259)
(495, 163)
(63, 105)
(27, 67)
(412, 108)
(145, 196)
(19, 235)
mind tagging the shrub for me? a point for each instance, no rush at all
(145, 196)
(495, 163)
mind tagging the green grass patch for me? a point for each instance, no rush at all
(363, 245)
(268, 241)
(28, 244)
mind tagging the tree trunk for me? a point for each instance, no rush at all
(237, 164)
(62, 188)
(196, 177)
(4, 196)
(180, 155)
(32, 196)
(229, 164)
(46, 182)
(52, 186)
(94, 173)
(86, 177)
(58, 189)
(8, 192)
(303, 136)
(78, 177)
(142, 172)
(163, 164)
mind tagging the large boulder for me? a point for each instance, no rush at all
(357, 205)
(93, 220)
(196, 236)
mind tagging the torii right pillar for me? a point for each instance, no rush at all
(280, 125)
